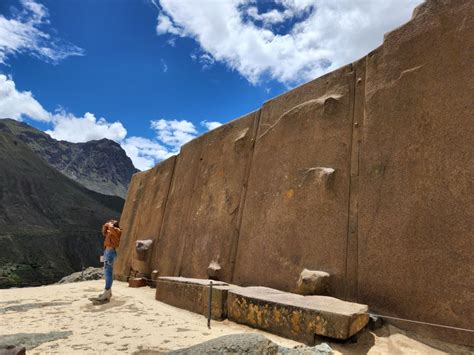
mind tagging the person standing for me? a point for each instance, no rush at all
(112, 233)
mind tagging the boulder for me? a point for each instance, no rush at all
(91, 273)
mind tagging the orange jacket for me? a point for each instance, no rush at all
(112, 236)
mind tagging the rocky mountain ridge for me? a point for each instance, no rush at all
(101, 165)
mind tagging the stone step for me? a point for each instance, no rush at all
(295, 316)
(193, 295)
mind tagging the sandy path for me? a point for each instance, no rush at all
(132, 321)
(61, 319)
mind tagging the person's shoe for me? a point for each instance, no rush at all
(96, 298)
(106, 296)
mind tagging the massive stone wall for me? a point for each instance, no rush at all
(365, 173)
(416, 174)
(203, 214)
(295, 214)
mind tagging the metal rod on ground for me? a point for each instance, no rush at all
(209, 306)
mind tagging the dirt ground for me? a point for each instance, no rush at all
(61, 319)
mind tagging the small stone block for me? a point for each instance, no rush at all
(137, 282)
(313, 282)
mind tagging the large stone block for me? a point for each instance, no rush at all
(294, 316)
(416, 195)
(296, 213)
(193, 295)
(203, 212)
(211, 232)
(129, 223)
(168, 249)
(144, 214)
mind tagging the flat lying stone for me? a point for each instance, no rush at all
(193, 295)
(204, 282)
(295, 316)
(248, 343)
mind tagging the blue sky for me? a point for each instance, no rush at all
(153, 74)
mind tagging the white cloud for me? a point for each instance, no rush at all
(164, 25)
(74, 129)
(210, 125)
(271, 17)
(25, 33)
(329, 35)
(145, 152)
(164, 66)
(205, 59)
(19, 104)
(174, 133)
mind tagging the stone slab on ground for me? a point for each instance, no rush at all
(193, 295)
(294, 316)
(13, 350)
(249, 344)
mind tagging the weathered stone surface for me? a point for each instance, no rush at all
(295, 213)
(91, 273)
(129, 223)
(203, 211)
(416, 197)
(248, 343)
(13, 350)
(168, 249)
(313, 282)
(211, 230)
(32, 340)
(143, 214)
(193, 295)
(232, 344)
(295, 316)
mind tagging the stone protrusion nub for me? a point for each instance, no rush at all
(214, 270)
(313, 282)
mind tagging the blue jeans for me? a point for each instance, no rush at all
(109, 258)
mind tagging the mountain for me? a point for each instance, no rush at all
(49, 224)
(101, 166)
